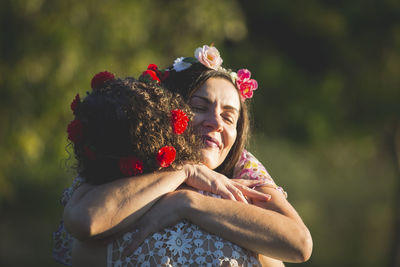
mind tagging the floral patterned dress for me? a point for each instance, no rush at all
(184, 244)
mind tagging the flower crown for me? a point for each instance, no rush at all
(128, 165)
(209, 56)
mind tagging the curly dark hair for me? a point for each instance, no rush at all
(127, 117)
(186, 82)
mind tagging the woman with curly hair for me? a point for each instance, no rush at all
(249, 218)
(123, 121)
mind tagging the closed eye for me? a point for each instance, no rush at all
(230, 118)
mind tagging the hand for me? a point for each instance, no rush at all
(203, 178)
(166, 212)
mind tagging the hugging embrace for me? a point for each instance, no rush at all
(164, 179)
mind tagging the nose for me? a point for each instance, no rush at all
(213, 121)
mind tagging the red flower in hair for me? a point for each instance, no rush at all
(130, 166)
(89, 153)
(161, 74)
(166, 155)
(150, 75)
(153, 67)
(164, 75)
(100, 78)
(75, 131)
(75, 103)
(179, 121)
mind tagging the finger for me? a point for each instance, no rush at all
(237, 193)
(254, 193)
(226, 194)
(240, 197)
(222, 190)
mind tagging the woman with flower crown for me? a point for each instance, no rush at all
(255, 221)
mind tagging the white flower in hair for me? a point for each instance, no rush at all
(234, 76)
(180, 64)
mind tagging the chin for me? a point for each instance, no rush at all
(210, 160)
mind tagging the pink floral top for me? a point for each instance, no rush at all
(248, 167)
(184, 243)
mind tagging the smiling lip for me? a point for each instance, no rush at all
(210, 142)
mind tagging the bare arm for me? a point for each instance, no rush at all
(269, 262)
(96, 212)
(271, 228)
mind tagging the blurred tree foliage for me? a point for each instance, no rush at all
(326, 114)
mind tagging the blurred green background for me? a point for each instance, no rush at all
(326, 114)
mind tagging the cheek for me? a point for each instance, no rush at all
(231, 134)
(196, 121)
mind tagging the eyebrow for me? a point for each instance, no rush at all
(208, 101)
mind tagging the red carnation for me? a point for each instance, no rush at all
(130, 166)
(75, 103)
(89, 153)
(75, 131)
(166, 155)
(153, 67)
(150, 75)
(161, 74)
(164, 75)
(100, 78)
(179, 121)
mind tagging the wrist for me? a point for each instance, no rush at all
(187, 199)
(189, 169)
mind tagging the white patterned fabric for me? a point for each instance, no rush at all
(62, 239)
(184, 244)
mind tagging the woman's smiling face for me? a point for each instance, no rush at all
(216, 106)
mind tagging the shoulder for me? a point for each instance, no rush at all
(249, 167)
(68, 192)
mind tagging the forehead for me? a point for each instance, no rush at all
(219, 90)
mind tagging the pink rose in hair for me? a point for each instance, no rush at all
(243, 74)
(245, 84)
(208, 56)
